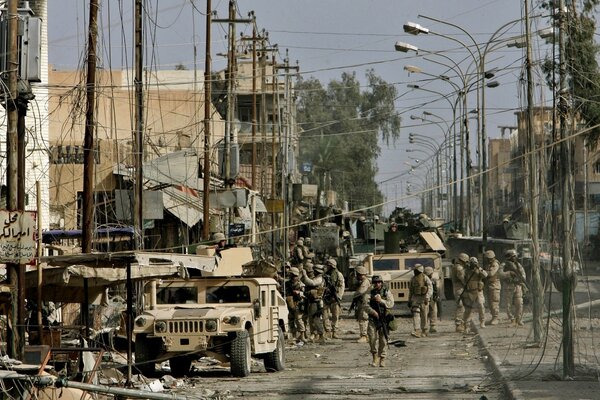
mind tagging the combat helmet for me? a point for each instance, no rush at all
(463, 257)
(489, 254)
(318, 268)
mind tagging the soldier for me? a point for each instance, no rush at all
(492, 284)
(295, 300)
(420, 292)
(298, 253)
(457, 274)
(314, 291)
(359, 301)
(434, 277)
(472, 296)
(220, 242)
(334, 291)
(380, 302)
(513, 280)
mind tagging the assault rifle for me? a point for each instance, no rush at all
(330, 290)
(380, 323)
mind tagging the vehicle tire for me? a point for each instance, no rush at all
(180, 366)
(146, 352)
(448, 289)
(241, 354)
(275, 361)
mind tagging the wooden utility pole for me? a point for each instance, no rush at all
(207, 120)
(566, 179)
(536, 284)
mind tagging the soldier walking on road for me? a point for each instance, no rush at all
(314, 291)
(296, 303)
(381, 301)
(473, 295)
(513, 279)
(457, 274)
(492, 284)
(334, 291)
(420, 292)
(433, 304)
(359, 301)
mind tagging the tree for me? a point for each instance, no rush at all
(340, 127)
(582, 66)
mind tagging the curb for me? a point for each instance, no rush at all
(510, 390)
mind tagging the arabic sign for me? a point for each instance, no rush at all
(17, 236)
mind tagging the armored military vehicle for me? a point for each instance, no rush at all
(227, 316)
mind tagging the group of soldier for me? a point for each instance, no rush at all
(314, 292)
(473, 284)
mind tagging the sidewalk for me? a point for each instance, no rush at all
(535, 372)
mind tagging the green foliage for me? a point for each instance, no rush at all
(340, 127)
(581, 52)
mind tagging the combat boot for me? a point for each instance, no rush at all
(416, 333)
(460, 328)
(321, 339)
(362, 339)
(519, 322)
(494, 321)
(424, 333)
(334, 335)
(382, 362)
(375, 360)
(432, 329)
(482, 324)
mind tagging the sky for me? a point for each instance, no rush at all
(329, 37)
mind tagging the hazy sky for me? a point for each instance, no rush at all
(327, 38)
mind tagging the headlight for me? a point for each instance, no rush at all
(140, 321)
(231, 320)
(211, 325)
(160, 326)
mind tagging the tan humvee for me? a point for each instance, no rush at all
(228, 318)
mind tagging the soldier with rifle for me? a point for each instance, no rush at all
(381, 301)
(513, 280)
(332, 298)
(297, 305)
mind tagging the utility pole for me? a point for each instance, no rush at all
(536, 284)
(207, 120)
(566, 179)
(15, 333)
(139, 129)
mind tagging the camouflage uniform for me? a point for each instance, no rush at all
(492, 284)
(513, 280)
(296, 303)
(314, 291)
(473, 294)
(457, 274)
(360, 299)
(298, 253)
(433, 304)
(379, 303)
(420, 292)
(334, 291)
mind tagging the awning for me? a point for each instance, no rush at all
(433, 241)
(63, 279)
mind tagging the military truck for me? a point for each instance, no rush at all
(225, 315)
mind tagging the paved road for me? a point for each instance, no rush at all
(445, 365)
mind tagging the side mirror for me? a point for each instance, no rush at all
(257, 308)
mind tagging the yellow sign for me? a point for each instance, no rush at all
(274, 205)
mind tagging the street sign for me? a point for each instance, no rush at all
(17, 236)
(307, 167)
(236, 230)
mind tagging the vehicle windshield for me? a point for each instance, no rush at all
(227, 294)
(177, 295)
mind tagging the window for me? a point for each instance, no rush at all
(425, 262)
(227, 294)
(386, 265)
(273, 298)
(263, 298)
(597, 167)
(177, 295)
